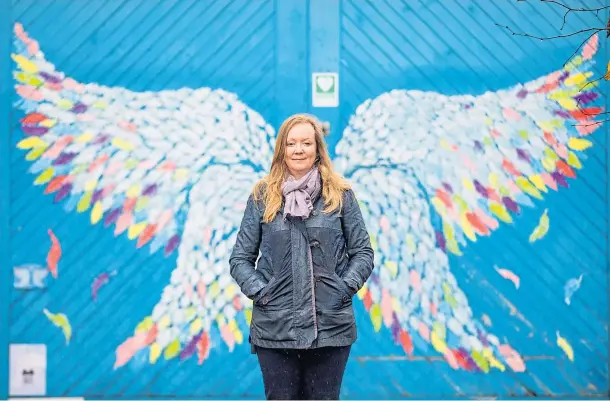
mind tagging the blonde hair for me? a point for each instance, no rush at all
(269, 189)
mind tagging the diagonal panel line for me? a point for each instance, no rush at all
(424, 39)
(153, 35)
(215, 64)
(116, 37)
(387, 56)
(349, 61)
(358, 48)
(251, 92)
(206, 30)
(74, 53)
(472, 23)
(177, 32)
(246, 54)
(42, 9)
(82, 17)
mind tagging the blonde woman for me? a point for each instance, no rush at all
(315, 254)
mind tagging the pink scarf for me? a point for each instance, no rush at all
(300, 194)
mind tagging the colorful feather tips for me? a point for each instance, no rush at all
(524, 155)
(90, 160)
(194, 341)
(482, 354)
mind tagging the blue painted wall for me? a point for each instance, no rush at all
(265, 52)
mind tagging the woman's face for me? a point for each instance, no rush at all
(301, 149)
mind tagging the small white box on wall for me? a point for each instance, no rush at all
(27, 369)
(325, 89)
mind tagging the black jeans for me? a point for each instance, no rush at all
(314, 374)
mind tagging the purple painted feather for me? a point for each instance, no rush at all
(480, 189)
(586, 97)
(559, 179)
(440, 240)
(111, 217)
(79, 108)
(150, 190)
(510, 204)
(447, 187)
(395, 328)
(63, 192)
(101, 139)
(34, 130)
(64, 158)
(172, 244)
(522, 94)
(562, 113)
(98, 282)
(470, 364)
(483, 338)
(50, 78)
(190, 348)
(97, 195)
(522, 154)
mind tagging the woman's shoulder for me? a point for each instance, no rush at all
(259, 188)
(345, 187)
(258, 191)
(349, 196)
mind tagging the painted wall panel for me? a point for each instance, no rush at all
(136, 129)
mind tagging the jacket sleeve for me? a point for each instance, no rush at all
(245, 252)
(358, 243)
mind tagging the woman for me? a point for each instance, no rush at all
(315, 254)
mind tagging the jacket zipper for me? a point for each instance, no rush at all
(313, 291)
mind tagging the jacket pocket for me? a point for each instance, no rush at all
(273, 325)
(337, 323)
(346, 290)
(263, 293)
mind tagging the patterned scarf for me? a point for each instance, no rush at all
(299, 195)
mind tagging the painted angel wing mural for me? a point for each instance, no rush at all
(169, 169)
(172, 169)
(473, 160)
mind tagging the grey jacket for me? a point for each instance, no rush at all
(296, 306)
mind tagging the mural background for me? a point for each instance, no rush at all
(265, 52)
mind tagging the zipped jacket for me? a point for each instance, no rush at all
(302, 274)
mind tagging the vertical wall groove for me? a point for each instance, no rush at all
(292, 51)
(324, 56)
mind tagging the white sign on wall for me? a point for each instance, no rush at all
(325, 89)
(28, 369)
